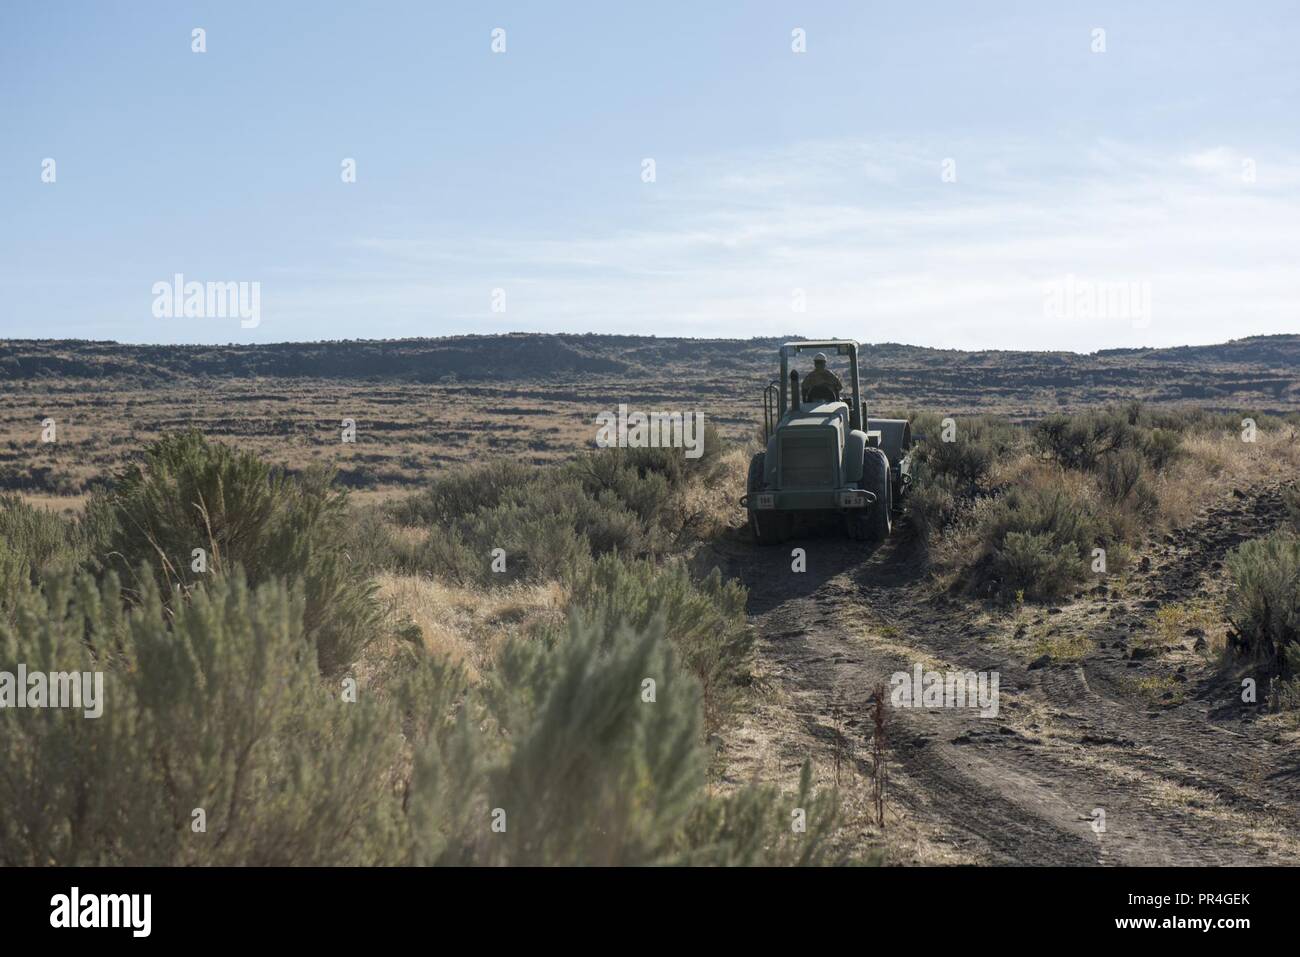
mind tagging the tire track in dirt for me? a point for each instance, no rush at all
(1199, 782)
(830, 667)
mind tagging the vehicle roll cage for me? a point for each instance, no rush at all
(843, 347)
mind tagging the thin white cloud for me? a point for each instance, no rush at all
(883, 249)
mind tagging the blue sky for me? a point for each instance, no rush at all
(781, 178)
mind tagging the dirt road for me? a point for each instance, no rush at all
(1156, 740)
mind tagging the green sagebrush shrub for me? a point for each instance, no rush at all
(978, 443)
(1037, 541)
(1129, 497)
(34, 543)
(933, 505)
(551, 521)
(705, 619)
(190, 494)
(1291, 501)
(1085, 441)
(1264, 607)
(216, 703)
(575, 762)
(948, 477)
(548, 532)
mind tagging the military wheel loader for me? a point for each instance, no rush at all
(824, 456)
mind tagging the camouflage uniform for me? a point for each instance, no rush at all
(821, 377)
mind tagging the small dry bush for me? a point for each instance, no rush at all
(1037, 539)
(1264, 608)
(949, 477)
(1291, 499)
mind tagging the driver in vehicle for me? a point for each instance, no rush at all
(826, 383)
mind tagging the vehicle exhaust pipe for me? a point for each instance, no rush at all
(794, 390)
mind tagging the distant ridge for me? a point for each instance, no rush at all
(526, 356)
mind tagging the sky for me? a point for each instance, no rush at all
(968, 175)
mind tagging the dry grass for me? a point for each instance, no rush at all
(1067, 647)
(713, 507)
(1172, 622)
(467, 625)
(66, 505)
(1161, 689)
(1213, 464)
(952, 552)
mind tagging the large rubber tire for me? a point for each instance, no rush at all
(875, 478)
(769, 527)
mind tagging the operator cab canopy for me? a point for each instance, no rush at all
(823, 395)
